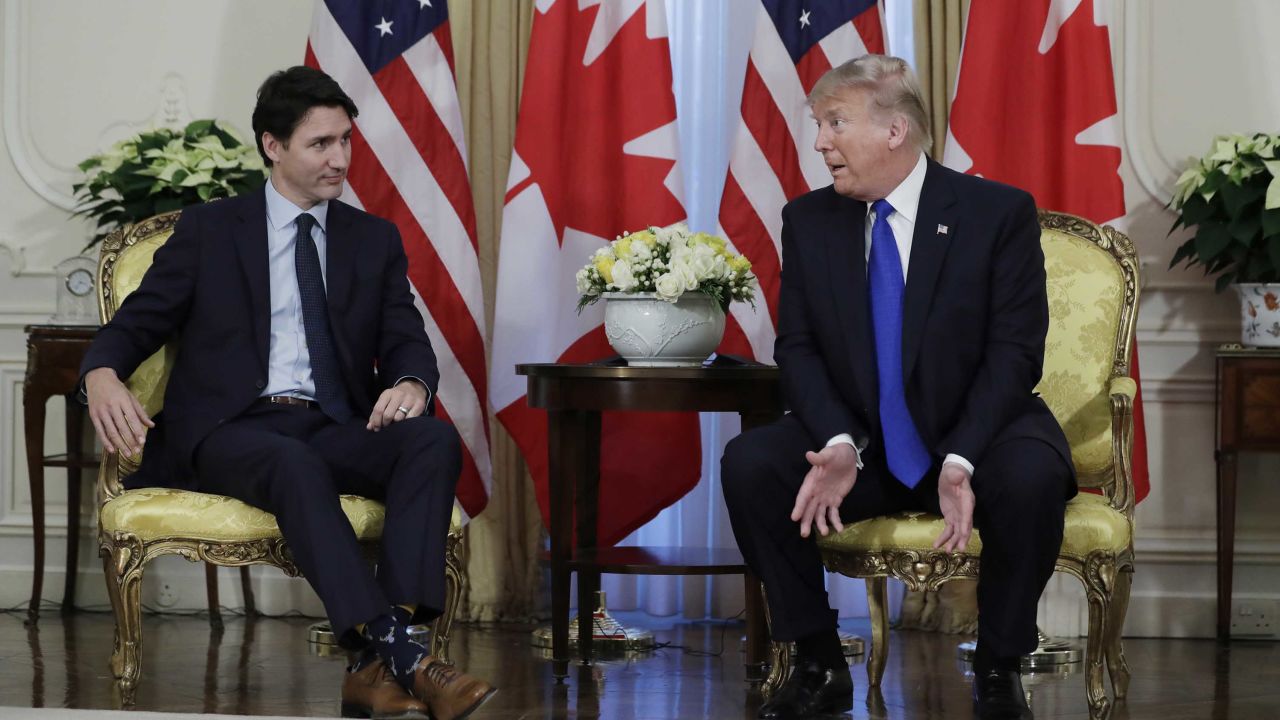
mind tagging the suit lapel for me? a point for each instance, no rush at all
(845, 235)
(251, 247)
(929, 246)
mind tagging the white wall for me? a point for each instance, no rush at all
(76, 76)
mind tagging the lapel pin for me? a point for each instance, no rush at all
(942, 229)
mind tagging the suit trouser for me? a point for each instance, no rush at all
(294, 462)
(1020, 488)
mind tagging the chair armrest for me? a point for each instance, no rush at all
(1123, 385)
(1123, 392)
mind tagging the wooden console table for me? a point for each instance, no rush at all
(574, 396)
(1248, 419)
(54, 353)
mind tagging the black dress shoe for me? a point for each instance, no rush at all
(998, 695)
(811, 691)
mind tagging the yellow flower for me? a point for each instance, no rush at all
(622, 248)
(740, 264)
(715, 241)
(605, 265)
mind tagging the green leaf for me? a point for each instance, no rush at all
(1185, 250)
(1246, 228)
(197, 128)
(1273, 194)
(1271, 222)
(1196, 210)
(1273, 251)
(1223, 281)
(1211, 239)
(164, 205)
(1236, 197)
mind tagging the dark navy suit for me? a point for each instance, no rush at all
(975, 316)
(208, 288)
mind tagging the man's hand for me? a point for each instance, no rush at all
(955, 497)
(117, 415)
(825, 486)
(407, 399)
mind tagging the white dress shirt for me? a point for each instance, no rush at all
(905, 200)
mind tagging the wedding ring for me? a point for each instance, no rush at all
(403, 409)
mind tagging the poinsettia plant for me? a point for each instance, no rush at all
(1232, 197)
(165, 169)
(668, 262)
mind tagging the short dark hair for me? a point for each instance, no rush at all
(285, 98)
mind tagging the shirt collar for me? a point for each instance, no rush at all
(905, 198)
(281, 212)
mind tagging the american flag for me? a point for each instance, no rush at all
(409, 165)
(772, 158)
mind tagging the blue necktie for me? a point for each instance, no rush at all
(330, 392)
(905, 452)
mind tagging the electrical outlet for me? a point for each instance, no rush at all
(167, 596)
(1253, 618)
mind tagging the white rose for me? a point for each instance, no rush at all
(685, 274)
(669, 287)
(623, 278)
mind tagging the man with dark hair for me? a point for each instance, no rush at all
(911, 331)
(303, 372)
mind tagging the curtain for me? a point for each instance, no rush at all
(490, 43)
(939, 32)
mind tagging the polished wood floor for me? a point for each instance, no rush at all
(264, 667)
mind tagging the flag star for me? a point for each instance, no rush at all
(384, 27)
(804, 19)
(424, 4)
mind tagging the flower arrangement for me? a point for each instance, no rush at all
(667, 261)
(1232, 197)
(165, 169)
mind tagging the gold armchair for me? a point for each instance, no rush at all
(137, 526)
(1093, 301)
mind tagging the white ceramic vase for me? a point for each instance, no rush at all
(648, 331)
(1260, 313)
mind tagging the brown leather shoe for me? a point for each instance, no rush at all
(451, 695)
(372, 692)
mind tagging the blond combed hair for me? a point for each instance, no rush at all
(891, 86)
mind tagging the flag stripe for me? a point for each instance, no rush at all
(431, 138)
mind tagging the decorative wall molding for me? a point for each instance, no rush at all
(52, 181)
(1153, 173)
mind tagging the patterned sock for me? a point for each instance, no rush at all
(366, 656)
(389, 638)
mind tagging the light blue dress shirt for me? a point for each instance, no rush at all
(289, 361)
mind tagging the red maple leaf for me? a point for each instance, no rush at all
(1017, 112)
(575, 119)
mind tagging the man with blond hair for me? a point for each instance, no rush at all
(911, 332)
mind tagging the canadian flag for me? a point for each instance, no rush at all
(595, 156)
(1035, 107)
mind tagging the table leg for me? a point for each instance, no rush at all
(33, 411)
(563, 444)
(1226, 538)
(757, 630)
(75, 453)
(587, 511)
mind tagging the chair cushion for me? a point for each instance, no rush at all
(154, 513)
(1091, 524)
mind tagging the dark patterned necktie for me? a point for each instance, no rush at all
(330, 392)
(905, 452)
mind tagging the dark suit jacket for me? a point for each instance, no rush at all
(975, 316)
(208, 286)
